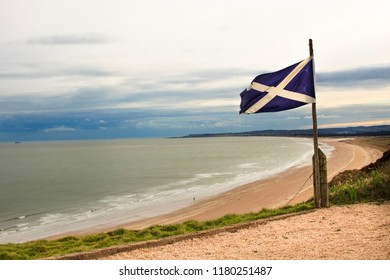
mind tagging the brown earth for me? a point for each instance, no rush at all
(356, 232)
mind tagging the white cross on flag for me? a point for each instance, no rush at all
(285, 89)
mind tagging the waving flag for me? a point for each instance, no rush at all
(285, 89)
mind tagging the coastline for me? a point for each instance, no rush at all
(273, 192)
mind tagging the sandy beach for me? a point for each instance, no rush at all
(273, 192)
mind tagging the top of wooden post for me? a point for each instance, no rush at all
(311, 47)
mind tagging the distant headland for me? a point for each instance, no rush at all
(380, 130)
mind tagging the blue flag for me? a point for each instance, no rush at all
(285, 89)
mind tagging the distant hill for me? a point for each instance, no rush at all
(380, 130)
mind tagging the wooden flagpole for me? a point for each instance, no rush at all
(316, 160)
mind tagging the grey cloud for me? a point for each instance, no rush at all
(324, 117)
(174, 122)
(81, 99)
(86, 39)
(375, 76)
(60, 128)
(41, 71)
(144, 93)
(372, 76)
(210, 75)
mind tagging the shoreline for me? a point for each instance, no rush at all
(273, 192)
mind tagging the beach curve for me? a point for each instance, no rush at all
(273, 192)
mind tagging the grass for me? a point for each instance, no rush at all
(72, 244)
(369, 184)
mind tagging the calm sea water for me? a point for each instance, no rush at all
(47, 188)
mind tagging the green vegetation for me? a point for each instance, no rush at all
(71, 244)
(369, 184)
(372, 183)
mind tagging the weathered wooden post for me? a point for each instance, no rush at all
(316, 161)
(316, 181)
(323, 179)
(319, 158)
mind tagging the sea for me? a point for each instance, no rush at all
(51, 188)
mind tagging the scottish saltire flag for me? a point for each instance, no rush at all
(285, 89)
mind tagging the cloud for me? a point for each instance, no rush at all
(228, 123)
(83, 39)
(293, 118)
(83, 99)
(61, 128)
(103, 103)
(357, 123)
(158, 124)
(352, 115)
(373, 76)
(41, 71)
(324, 117)
(119, 123)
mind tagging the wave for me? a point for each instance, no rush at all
(23, 217)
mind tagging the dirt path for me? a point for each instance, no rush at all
(354, 232)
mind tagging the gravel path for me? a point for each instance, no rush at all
(355, 232)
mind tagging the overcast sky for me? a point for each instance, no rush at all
(141, 68)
